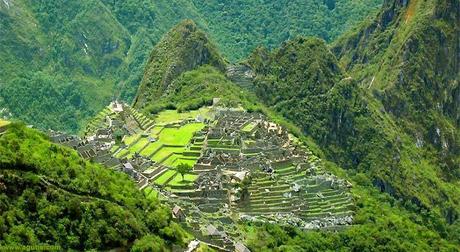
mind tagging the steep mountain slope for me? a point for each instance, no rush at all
(58, 59)
(50, 196)
(415, 75)
(396, 118)
(303, 82)
(239, 26)
(182, 49)
(63, 61)
(186, 72)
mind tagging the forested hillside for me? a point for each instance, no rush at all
(385, 105)
(304, 82)
(64, 60)
(51, 196)
(379, 106)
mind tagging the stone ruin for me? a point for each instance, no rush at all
(250, 169)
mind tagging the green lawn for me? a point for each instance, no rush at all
(165, 151)
(249, 127)
(188, 179)
(170, 161)
(173, 116)
(175, 160)
(151, 148)
(114, 148)
(121, 153)
(155, 131)
(151, 193)
(131, 139)
(180, 136)
(190, 162)
(165, 177)
(139, 145)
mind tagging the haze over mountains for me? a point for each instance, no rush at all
(379, 104)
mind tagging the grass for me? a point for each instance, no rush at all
(176, 159)
(3, 123)
(165, 177)
(173, 116)
(139, 145)
(122, 153)
(165, 151)
(155, 131)
(249, 127)
(131, 139)
(150, 193)
(188, 179)
(150, 149)
(190, 162)
(180, 136)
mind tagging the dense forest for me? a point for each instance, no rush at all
(51, 196)
(377, 110)
(99, 47)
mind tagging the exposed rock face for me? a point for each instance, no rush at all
(183, 49)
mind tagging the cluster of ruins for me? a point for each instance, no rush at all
(247, 167)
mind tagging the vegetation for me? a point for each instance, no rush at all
(183, 169)
(168, 116)
(381, 102)
(186, 179)
(165, 177)
(180, 136)
(3, 123)
(182, 49)
(381, 224)
(370, 120)
(63, 62)
(52, 196)
(238, 27)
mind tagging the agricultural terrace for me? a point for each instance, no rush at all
(168, 143)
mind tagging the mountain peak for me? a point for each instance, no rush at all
(184, 48)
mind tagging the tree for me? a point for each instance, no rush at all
(149, 243)
(183, 169)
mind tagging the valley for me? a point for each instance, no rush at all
(223, 126)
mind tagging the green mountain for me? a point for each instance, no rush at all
(182, 49)
(382, 102)
(186, 72)
(414, 77)
(380, 106)
(64, 61)
(51, 196)
(403, 184)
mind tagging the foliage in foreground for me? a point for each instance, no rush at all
(52, 196)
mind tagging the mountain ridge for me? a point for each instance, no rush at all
(95, 51)
(182, 49)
